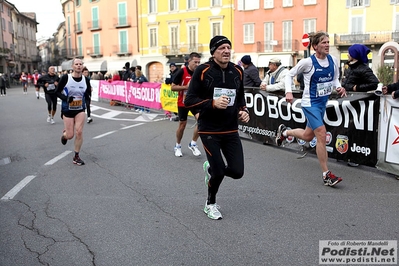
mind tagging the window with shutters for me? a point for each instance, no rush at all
(287, 36)
(123, 46)
(153, 38)
(191, 4)
(248, 4)
(249, 33)
(309, 25)
(268, 3)
(269, 33)
(80, 46)
(95, 18)
(174, 31)
(152, 6)
(357, 3)
(357, 24)
(215, 3)
(192, 38)
(216, 29)
(309, 2)
(122, 14)
(96, 43)
(393, 2)
(173, 5)
(287, 3)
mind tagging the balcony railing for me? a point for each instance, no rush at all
(122, 50)
(365, 38)
(94, 25)
(78, 28)
(69, 53)
(276, 46)
(181, 49)
(122, 22)
(95, 51)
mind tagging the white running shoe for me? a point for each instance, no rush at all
(194, 149)
(178, 152)
(48, 119)
(212, 210)
(52, 121)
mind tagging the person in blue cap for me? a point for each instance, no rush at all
(359, 76)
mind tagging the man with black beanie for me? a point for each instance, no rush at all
(128, 72)
(217, 91)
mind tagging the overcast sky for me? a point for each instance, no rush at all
(48, 14)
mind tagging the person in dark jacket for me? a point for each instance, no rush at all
(393, 89)
(217, 90)
(128, 72)
(169, 80)
(173, 70)
(251, 73)
(3, 84)
(49, 82)
(359, 76)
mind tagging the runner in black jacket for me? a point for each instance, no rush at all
(217, 90)
(49, 82)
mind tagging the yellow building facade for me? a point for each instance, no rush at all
(373, 23)
(171, 30)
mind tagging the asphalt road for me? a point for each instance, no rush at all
(135, 203)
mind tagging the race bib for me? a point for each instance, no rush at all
(76, 104)
(231, 93)
(50, 87)
(324, 89)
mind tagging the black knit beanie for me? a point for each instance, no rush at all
(216, 42)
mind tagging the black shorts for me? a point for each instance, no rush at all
(183, 112)
(72, 114)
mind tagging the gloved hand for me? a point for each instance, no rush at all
(70, 99)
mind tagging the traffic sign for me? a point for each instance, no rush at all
(305, 40)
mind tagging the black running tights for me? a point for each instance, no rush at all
(51, 100)
(230, 146)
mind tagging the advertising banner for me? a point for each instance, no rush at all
(351, 124)
(388, 159)
(168, 98)
(145, 94)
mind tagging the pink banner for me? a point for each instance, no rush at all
(146, 94)
(114, 91)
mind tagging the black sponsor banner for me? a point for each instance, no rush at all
(351, 123)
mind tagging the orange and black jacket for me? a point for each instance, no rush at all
(200, 97)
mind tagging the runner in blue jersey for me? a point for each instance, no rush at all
(321, 77)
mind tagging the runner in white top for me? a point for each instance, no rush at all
(73, 89)
(321, 77)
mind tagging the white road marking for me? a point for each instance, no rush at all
(127, 127)
(14, 191)
(57, 158)
(111, 114)
(105, 134)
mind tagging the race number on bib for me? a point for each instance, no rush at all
(324, 89)
(50, 87)
(76, 104)
(231, 93)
